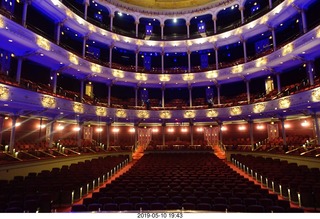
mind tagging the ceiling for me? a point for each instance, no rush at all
(168, 4)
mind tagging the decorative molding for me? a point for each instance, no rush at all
(189, 114)
(101, 111)
(95, 68)
(48, 102)
(78, 107)
(259, 107)
(284, 103)
(43, 43)
(212, 113)
(316, 95)
(143, 114)
(4, 93)
(234, 111)
(141, 77)
(73, 59)
(164, 77)
(165, 114)
(188, 77)
(121, 113)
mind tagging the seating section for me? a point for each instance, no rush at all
(190, 181)
(58, 187)
(298, 184)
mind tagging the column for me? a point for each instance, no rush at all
(137, 56)
(13, 133)
(135, 137)
(49, 133)
(241, 8)
(111, 21)
(278, 82)
(137, 28)
(217, 57)
(189, 60)
(86, 4)
(54, 81)
(84, 43)
(57, 32)
(251, 133)
(79, 136)
(188, 29)
(304, 21)
(1, 128)
(19, 66)
(283, 131)
(316, 125)
(109, 95)
(274, 39)
(248, 90)
(162, 26)
(163, 133)
(244, 49)
(162, 96)
(110, 55)
(214, 24)
(190, 95)
(191, 133)
(24, 13)
(220, 133)
(270, 4)
(310, 71)
(136, 96)
(162, 62)
(108, 135)
(218, 92)
(81, 89)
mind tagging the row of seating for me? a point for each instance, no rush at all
(296, 183)
(57, 187)
(172, 181)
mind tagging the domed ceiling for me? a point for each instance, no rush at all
(169, 4)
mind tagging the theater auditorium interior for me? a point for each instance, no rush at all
(169, 106)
